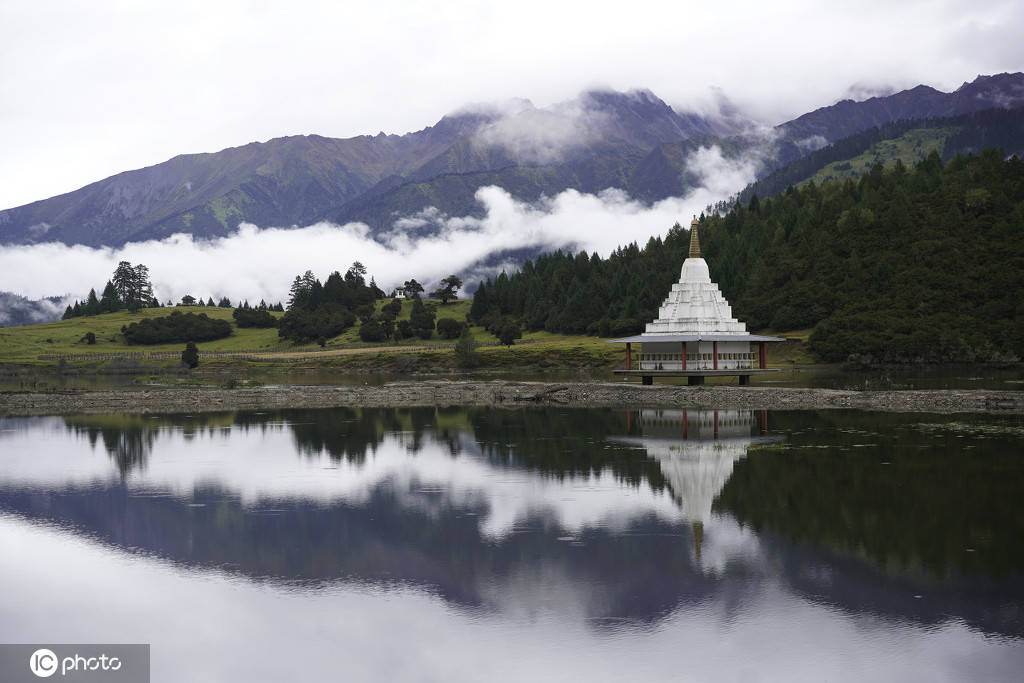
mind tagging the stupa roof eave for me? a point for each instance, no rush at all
(701, 337)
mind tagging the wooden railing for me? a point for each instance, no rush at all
(253, 355)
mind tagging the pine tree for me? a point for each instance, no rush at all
(109, 301)
(143, 288)
(124, 281)
(92, 304)
(355, 276)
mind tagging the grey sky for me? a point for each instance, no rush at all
(89, 89)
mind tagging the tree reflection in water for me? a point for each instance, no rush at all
(891, 505)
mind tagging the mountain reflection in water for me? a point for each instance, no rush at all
(635, 514)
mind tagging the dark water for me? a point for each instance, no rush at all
(521, 545)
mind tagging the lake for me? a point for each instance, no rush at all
(469, 544)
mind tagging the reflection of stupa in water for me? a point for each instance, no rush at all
(696, 450)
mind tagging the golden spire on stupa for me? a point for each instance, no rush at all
(694, 240)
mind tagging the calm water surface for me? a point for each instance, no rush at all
(521, 545)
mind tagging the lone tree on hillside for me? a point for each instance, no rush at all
(466, 355)
(509, 332)
(448, 290)
(190, 356)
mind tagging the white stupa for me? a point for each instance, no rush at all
(695, 305)
(695, 334)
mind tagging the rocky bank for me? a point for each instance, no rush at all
(504, 393)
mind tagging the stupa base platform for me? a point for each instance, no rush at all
(696, 377)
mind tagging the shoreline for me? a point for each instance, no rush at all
(505, 393)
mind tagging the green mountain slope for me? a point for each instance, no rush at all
(910, 148)
(909, 141)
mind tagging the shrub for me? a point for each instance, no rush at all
(509, 332)
(371, 331)
(253, 317)
(449, 328)
(422, 319)
(177, 327)
(327, 321)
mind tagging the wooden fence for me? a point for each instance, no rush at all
(254, 355)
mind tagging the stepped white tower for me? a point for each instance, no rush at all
(695, 305)
(695, 334)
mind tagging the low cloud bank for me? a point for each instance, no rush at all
(255, 263)
(544, 135)
(19, 310)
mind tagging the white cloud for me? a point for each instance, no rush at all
(17, 310)
(812, 143)
(256, 263)
(544, 136)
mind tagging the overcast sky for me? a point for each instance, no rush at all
(89, 89)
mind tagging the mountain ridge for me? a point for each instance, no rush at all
(602, 138)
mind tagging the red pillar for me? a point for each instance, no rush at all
(716, 424)
(684, 355)
(629, 356)
(686, 423)
(764, 355)
(714, 354)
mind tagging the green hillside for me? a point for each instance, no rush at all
(66, 337)
(909, 148)
(909, 140)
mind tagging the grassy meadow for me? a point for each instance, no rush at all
(43, 345)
